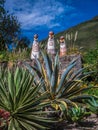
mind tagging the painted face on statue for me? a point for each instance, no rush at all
(51, 34)
(35, 36)
(62, 39)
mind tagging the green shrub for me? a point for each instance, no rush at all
(91, 60)
(15, 55)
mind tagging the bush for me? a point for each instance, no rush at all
(91, 61)
(22, 54)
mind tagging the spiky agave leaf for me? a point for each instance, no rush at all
(20, 97)
(63, 77)
(48, 64)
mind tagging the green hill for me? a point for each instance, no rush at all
(87, 34)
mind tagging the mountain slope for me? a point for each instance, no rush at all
(87, 33)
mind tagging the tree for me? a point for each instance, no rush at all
(2, 10)
(9, 27)
(23, 43)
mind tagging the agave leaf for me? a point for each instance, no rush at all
(26, 81)
(26, 125)
(35, 106)
(45, 113)
(39, 65)
(31, 94)
(77, 91)
(45, 79)
(73, 61)
(11, 86)
(68, 87)
(63, 105)
(92, 102)
(23, 75)
(29, 68)
(33, 70)
(31, 124)
(11, 102)
(76, 74)
(54, 80)
(17, 78)
(25, 87)
(74, 86)
(36, 118)
(37, 71)
(63, 77)
(81, 97)
(2, 90)
(4, 105)
(16, 124)
(48, 65)
(56, 60)
(85, 75)
(11, 125)
(70, 103)
(32, 103)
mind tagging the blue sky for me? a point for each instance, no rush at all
(41, 16)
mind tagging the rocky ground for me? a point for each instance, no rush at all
(89, 123)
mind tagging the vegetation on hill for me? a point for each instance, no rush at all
(90, 59)
(87, 34)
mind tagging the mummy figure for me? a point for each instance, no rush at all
(35, 48)
(62, 46)
(51, 44)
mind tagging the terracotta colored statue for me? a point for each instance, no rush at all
(51, 44)
(35, 48)
(62, 46)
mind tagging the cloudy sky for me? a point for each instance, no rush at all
(41, 16)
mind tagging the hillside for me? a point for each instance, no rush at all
(87, 33)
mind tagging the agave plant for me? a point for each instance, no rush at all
(76, 114)
(93, 105)
(20, 98)
(65, 90)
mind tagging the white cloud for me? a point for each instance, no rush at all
(38, 13)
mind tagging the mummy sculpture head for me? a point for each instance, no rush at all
(62, 39)
(36, 37)
(51, 34)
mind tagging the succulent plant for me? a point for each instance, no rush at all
(92, 105)
(20, 97)
(65, 90)
(76, 114)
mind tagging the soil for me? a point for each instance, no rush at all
(89, 123)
